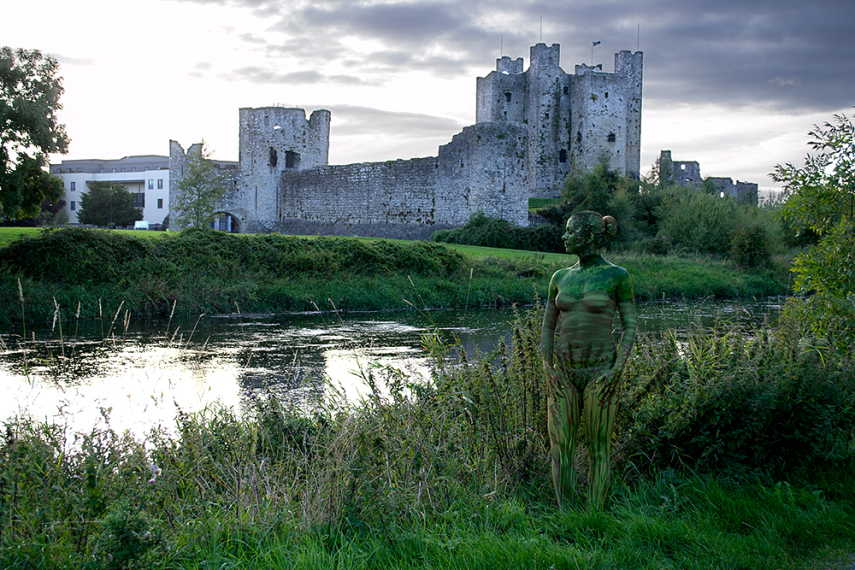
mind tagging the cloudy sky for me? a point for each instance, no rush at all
(733, 84)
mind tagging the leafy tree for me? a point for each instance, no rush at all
(821, 197)
(29, 131)
(199, 191)
(107, 203)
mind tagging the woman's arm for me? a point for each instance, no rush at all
(550, 320)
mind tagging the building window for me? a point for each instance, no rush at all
(562, 155)
(160, 183)
(578, 136)
(508, 97)
(612, 137)
(273, 158)
(114, 170)
(139, 200)
(566, 90)
(292, 159)
(133, 169)
(73, 186)
(78, 169)
(123, 169)
(151, 184)
(160, 203)
(72, 205)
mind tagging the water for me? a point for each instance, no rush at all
(144, 372)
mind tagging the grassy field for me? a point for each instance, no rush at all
(93, 272)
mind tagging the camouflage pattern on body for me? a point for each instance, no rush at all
(583, 365)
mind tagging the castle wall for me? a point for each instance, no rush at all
(480, 169)
(501, 96)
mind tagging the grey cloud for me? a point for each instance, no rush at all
(780, 55)
(355, 120)
(255, 74)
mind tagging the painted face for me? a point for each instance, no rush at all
(580, 234)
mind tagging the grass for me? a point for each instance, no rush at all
(448, 474)
(210, 272)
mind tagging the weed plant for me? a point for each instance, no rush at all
(735, 454)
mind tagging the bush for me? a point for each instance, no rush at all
(769, 402)
(749, 247)
(485, 231)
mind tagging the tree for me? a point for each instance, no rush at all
(107, 203)
(821, 197)
(29, 131)
(194, 205)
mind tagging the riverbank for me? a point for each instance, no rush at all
(99, 273)
(734, 454)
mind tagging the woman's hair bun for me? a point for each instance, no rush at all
(610, 226)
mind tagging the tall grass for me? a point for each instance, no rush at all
(729, 460)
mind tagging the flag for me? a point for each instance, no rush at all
(596, 43)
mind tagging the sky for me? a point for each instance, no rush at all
(733, 84)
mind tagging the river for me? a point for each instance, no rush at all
(139, 374)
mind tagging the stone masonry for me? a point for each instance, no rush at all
(532, 129)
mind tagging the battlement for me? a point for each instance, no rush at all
(584, 68)
(509, 66)
(541, 55)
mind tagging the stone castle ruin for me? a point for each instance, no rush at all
(688, 173)
(532, 129)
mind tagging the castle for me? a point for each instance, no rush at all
(532, 129)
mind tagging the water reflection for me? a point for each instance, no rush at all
(144, 372)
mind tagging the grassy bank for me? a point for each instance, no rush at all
(454, 473)
(92, 273)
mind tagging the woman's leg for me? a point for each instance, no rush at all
(600, 413)
(564, 405)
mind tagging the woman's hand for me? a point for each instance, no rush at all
(608, 383)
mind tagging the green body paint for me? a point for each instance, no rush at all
(583, 365)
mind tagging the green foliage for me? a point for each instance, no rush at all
(485, 231)
(593, 190)
(821, 197)
(454, 472)
(699, 222)
(29, 131)
(749, 246)
(108, 204)
(770, 402)
(202, 187)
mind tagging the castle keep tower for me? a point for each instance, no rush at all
(572, 121)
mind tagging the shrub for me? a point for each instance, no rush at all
(722, 401)
(749, 246)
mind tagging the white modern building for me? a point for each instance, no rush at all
(146, 177)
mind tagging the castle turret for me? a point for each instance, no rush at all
(274, 140)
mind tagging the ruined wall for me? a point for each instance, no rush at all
(480, 169)
(745, 192)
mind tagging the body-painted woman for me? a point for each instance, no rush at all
(583, 364)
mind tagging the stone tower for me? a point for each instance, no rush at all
(571, 121)
(274, 140)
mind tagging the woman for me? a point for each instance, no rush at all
(584, 365)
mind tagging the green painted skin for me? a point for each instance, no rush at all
(584, 365)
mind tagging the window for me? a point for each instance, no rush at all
(160, 203)
(578, 136)
(566, 90)
(133, 169)
(508, 97)
(72, 205)
(562, 155)
(78, 169)
(123, 169)
(160, 183)
(151, 184)
(73, 186)
(139, 199)
(114, 170)
(612, 137)
(292, 159)
(273, 159)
